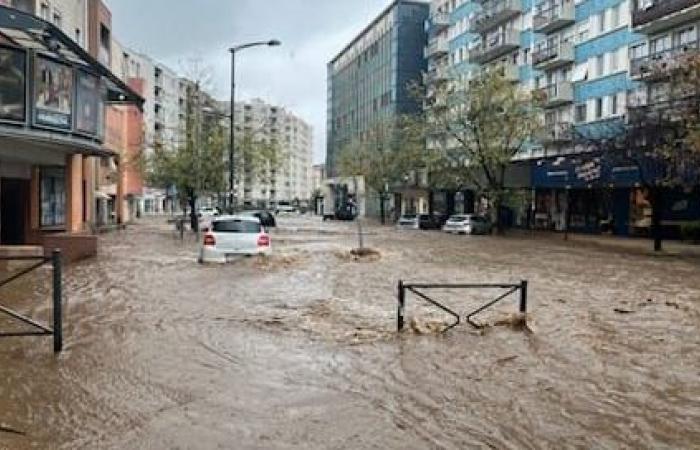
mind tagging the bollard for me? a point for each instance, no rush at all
(402, 305)
(57, 302)
(523, 296)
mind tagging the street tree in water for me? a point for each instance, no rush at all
(475, 129)
(386, 154)
(660, 139)
(197, 165)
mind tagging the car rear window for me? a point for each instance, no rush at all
(236, 226)
(408, 217)
(459, 218)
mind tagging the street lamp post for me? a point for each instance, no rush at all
(232, 144)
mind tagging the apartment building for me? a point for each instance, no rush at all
(585, 57)
(368, 82)
(289, 180)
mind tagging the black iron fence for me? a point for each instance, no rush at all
(56, 331)
(419, 290)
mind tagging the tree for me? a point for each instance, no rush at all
(478, 126)
(661, 139)
(389, 151)
(197, 164)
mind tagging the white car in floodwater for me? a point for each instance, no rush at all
(467, 224)
(231, 236)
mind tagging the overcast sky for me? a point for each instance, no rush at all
(312, 31)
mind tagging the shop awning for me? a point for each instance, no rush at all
(32, 33)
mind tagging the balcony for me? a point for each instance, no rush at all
(437, 75)
(653, 16)
(439, 22)
(554, 17)
(642, 109)
(494, 13)
(495, 46)
(436, 48)
(662, 64)
(508, 70)
(557, 94)
(554, 56)
(558, 133)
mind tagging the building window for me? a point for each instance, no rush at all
(45, 11)
(613, 105)
(57, 19)
(614, 66)
(600, 65)
(53, 197)
(580, 113)
(601, 22)
(598, 108)
(687, 36)
(615, 17)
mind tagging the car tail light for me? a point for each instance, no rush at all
(209, 240)
(263, 240)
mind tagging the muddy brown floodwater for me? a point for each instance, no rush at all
(300, 350)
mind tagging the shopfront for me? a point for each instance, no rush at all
(52, 100)
(600, 197)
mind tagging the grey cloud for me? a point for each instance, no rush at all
(294, 75)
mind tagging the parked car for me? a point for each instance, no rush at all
(418, 222)
(467, 224)
(285, 209)
(343, 214)
(234, 235)
(267, 220)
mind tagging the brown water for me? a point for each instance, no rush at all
(299, 351)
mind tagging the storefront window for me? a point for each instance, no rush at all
(53, 197)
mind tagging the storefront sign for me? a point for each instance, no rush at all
(89, 104)
(13, 69)
(54, 94)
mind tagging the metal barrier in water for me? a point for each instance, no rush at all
(38, 329)
(419, 290)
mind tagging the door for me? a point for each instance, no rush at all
(14, 199)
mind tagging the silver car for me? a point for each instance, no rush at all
(408, 222)
(467, 224)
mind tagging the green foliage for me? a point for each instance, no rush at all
(690, 231)
(475, 129)
(389, 152)
(198, 164)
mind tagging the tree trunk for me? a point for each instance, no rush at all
(382, 207)
(497, 203)
(194, 220)
(656, 200)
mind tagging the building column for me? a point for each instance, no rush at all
(120, 203)
(74, 193)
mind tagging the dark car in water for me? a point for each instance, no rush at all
(267, 219)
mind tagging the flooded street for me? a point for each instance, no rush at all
(300, 350)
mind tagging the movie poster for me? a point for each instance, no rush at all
(89, 104)
(54, 94)
(12, 84)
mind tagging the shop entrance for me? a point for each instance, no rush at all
(14, 205)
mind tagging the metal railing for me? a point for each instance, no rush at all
(663, 62)
(658, 9)
(40, 330)
(417, 289)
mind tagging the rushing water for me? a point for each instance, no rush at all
(300, 351)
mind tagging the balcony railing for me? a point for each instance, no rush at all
(647, 14)
(437, 75)
(494, 13)
(437, 47)
(557, 94)
(553, 56)
(645, 109)
(662, 64)
(558, 133)
(495, 46)
(439, 21)
(508, 70)
(553, 17)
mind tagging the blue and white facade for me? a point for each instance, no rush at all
(585, 57)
